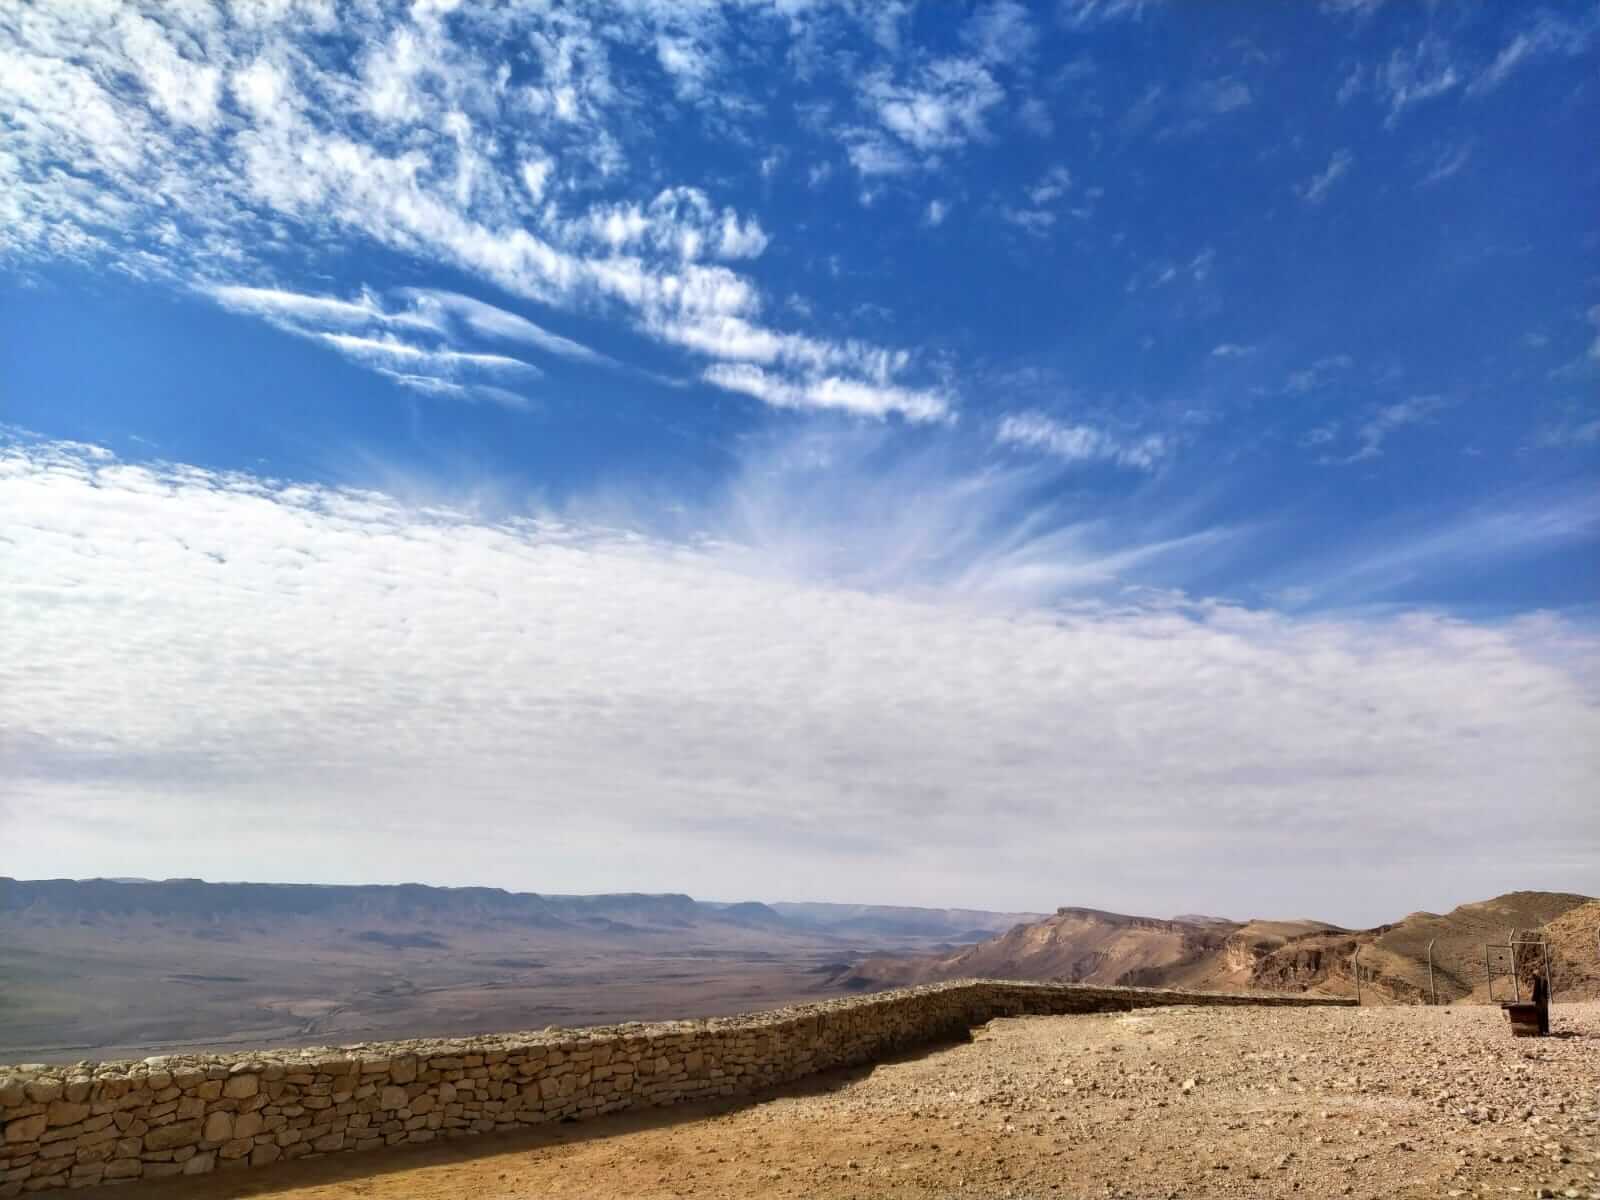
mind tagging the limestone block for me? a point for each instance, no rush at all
(26, 1129)
(170, 1137)
(241, 1087)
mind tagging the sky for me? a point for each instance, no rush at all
(1129, 454)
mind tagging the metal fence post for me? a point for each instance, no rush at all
(1433, 988)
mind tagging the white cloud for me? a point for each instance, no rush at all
(1425, 74)
(1221, 96)
(1001, 32)
(1317, 374)
(1315, 190)
(1320, 435)
(1354, 83)
(1232, 350)
(861, 398)
(1052, 185)
(933, 216)
(1384, 557)
(1360, 9)
(941, 109)
(362, 330)
(689, 64)
(243, 133)
(680, 222)
(740, 241)
(1086, 14)
(388, 349)
(281, 305)
(459, 700)
(435, 385)
(1546, 36)
(1031, 221)
(1416, 410)
(1081, 443)
(438, 307)
(536, 177)
(1447, 164)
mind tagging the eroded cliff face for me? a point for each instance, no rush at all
(1088, 945)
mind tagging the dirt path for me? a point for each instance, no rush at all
(1375, 1102)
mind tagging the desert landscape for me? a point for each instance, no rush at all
(1190, 1063)
(122, 968)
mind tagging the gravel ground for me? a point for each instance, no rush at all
(1179, 1102)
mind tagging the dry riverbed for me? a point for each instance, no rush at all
(1180, 1102)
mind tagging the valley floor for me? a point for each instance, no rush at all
(1190, 1102)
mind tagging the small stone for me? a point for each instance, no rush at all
(218, 1127)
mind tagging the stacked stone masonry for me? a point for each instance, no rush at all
(100, 1123)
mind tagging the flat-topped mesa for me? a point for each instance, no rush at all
(186, 1114)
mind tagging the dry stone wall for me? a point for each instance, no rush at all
(98, 1123)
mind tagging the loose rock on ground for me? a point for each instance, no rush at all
(1177, 1102)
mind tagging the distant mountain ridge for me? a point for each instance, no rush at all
(407, 905)
(93, 965)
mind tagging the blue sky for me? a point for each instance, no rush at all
(1269, 334)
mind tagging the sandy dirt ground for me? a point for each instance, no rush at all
(1181, 1102)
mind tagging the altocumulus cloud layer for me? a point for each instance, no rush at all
(241, 677)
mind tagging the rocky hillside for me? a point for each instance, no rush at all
(1080, 944)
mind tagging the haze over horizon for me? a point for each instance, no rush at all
(1105, 453)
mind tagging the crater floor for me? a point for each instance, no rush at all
(1178, 1102)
